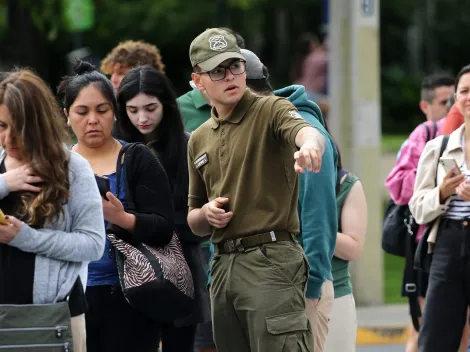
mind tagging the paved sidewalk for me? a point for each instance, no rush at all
(382, 325)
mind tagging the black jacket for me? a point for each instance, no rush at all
(148, 183)
(191, 244)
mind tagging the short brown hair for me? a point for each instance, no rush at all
(131, 54)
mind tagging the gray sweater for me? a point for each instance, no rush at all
(64, 248)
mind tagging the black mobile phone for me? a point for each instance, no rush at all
(103, 185)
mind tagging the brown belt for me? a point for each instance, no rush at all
(242, 243)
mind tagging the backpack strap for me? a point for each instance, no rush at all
(431, 135)
(410, 271)
(428, 132)
(434, 125)
(445, 140)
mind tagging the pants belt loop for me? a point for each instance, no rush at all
(294, 237)
(273, 236)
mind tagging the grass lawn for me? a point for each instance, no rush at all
(392, 143)
(393, 274)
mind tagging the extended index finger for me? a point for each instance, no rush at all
(316, 160)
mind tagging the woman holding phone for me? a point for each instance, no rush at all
(90, 106)
(446, 203)
(53, 209)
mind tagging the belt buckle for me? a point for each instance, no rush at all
(229, 246)
(410, 287)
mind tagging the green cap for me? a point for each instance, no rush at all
(212, 47)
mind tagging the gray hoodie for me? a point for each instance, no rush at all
(64, 248)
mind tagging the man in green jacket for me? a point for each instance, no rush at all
(316, 205)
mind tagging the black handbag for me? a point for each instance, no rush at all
(398, 222)
(156, 281)
(423, 258)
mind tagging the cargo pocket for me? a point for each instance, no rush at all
(289, 332)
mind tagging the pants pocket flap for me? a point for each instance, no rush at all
(288, 322)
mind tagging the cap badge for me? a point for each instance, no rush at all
(217, 43)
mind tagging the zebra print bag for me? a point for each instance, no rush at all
(155, 280)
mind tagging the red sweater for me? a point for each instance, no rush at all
(454, 120)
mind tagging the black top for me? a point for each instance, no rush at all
(147, 181)
(189, 241)
(17, 267)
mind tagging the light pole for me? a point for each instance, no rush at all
(354, 117)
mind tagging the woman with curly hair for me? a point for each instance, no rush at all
(53, 204)
(127, 55)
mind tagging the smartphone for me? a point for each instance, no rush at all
(103, 185)
(3, 219)
(449, 163)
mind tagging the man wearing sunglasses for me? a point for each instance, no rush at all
(243, 191)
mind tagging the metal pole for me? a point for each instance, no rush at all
(355, 122)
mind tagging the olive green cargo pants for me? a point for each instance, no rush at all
(258, 300)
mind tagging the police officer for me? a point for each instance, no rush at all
(243, 191)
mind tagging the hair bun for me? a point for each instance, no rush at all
(82, 67)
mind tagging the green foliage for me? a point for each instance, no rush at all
(400, 98)
(44, 15)
(391, 143)
(393, 275)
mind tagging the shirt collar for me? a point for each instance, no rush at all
(455, 139)
(238, 113)
(198, 99)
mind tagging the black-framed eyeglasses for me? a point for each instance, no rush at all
(217, 74)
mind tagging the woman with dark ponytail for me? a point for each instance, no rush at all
(90, 106)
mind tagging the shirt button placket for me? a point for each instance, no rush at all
(223, 146)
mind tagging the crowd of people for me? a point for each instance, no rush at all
(438, 198)
(236, 181)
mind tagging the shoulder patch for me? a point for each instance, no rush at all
(201, 161)
(294, 114)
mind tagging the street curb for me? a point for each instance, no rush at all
(381, 336)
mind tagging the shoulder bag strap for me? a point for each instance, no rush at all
(410, 272)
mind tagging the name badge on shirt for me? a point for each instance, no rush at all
(201, 161)
(294, 114)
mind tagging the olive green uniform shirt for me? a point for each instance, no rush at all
(248, 158)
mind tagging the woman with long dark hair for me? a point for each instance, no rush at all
(148, 113)
(90, 106)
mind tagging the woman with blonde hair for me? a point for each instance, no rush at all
(54, 215)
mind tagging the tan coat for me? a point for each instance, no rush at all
(424, 204)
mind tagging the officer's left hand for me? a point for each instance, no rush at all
(308, 157)
(9, 232)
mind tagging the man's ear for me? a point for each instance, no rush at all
(197, 81)
(424, 106)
